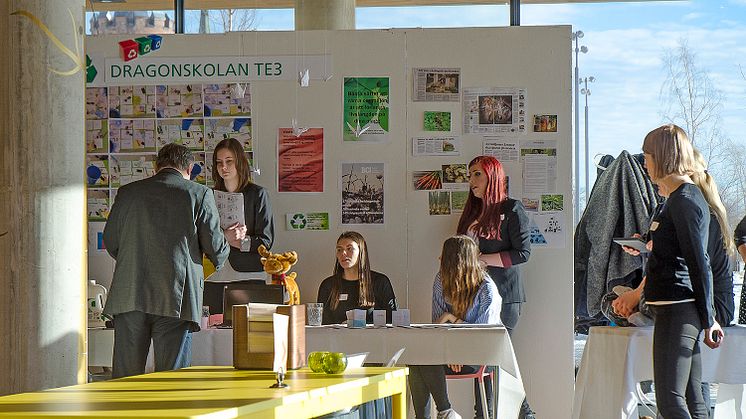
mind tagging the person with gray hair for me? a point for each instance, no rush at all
(157, 232)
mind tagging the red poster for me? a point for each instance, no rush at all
(301, 161)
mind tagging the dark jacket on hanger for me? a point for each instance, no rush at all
(621, 203)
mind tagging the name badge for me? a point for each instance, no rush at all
(342, 297)
(654, 225)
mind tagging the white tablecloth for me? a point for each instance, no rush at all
(615, 359)
(472, 345)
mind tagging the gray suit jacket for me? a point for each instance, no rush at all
(157, 231)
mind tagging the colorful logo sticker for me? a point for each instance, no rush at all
(130, 49)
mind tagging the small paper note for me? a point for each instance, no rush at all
(303, 78)
(400, 317)
(355, 318)
(379, 318)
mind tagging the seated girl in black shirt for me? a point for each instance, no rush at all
(353, 285)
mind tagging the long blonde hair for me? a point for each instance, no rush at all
(460, 273)
(709, 189)
(671, 150)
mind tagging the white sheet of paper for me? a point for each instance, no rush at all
(280, 328)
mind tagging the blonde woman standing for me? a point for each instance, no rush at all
(679, 281)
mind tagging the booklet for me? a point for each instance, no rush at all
(230, 208)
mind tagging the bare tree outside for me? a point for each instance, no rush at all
(233, 20)
(691, 100)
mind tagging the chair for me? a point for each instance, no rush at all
(480, 374)
(394, 359)
(356, 360)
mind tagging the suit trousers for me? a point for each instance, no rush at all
(133, 331)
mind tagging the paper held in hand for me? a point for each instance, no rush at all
(230, 208)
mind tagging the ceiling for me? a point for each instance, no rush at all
(98, 5)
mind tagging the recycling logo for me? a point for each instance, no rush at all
(298, 222)
(90, 70)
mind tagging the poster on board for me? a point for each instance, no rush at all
(502, 149)
(539, 164)
(300, 160)
(436, 84)
(494, 110)
(218, 129)
(362, 186)
(436, 146)
(366, 109)
(132, 102)
(548, 230)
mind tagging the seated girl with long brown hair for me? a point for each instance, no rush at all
(462, 293)
(354, 285)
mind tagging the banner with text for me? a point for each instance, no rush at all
(169, 70)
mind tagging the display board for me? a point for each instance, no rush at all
(385, 121)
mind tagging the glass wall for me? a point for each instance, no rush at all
(130, 22)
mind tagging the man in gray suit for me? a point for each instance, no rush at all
(157, 231)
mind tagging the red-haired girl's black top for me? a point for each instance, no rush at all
(513, 245)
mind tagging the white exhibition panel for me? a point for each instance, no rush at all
(406, 248)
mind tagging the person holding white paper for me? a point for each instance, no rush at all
(463, 292)
(230, 171)
(354, 285)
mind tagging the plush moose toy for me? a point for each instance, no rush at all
(278, 265)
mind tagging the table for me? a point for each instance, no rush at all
(615, 359)
(483, 345)
(215, 391)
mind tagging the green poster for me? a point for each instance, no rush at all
(366, 109)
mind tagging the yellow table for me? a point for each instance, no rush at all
(215, 392)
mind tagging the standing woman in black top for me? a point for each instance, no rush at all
(500, 227)
(230, 171)
(679, 281)
(354, 285)
(720, 248)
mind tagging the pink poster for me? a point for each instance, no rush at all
(301, 161)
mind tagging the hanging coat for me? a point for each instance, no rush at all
(621, 203)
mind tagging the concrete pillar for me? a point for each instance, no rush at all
(42, 199)
(324, 14)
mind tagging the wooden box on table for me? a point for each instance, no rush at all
(253, 336)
